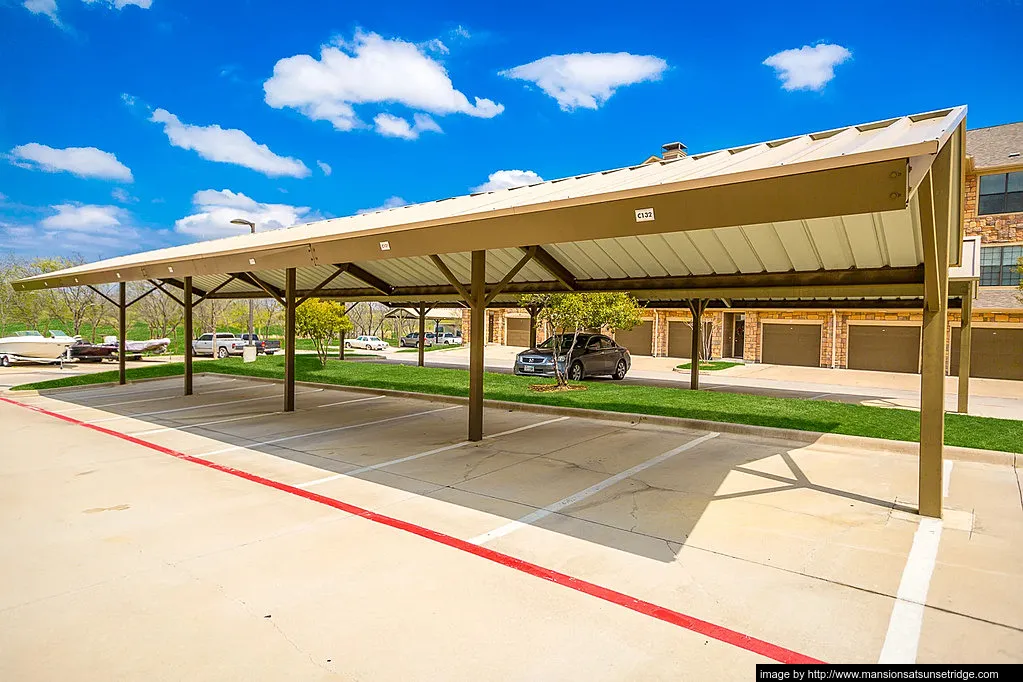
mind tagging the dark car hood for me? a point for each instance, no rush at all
(538, 351)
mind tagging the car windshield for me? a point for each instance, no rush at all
(28, 332)
(563, 342)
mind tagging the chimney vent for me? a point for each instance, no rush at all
(673, 150)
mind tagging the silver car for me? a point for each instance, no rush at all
(593, 355)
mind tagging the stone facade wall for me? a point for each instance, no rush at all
(993, 229)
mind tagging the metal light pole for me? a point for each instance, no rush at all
(252, 228)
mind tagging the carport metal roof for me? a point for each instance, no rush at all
(833, 214)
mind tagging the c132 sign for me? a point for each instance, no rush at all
(644, 215)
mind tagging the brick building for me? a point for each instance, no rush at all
(880, 339)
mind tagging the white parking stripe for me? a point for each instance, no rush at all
(420, 455)
(162, 397)
(322, 431)
(356, 400)
(903, 638)
(109, 389)
(535, 516)
(201, 424)
(193, 407)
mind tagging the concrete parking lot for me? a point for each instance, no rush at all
(147, 535)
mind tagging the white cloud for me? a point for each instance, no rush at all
(227, 146)
(389, 125)
(368, 70)
(122, 195)
(47, 8)
(325, 167)
(121, 4)
(587, 79)
(808, 68)
(390, 202)
(215, 210)
(85, 162)
(506, 179)
(84, 218)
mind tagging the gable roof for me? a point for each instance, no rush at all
(992, 147)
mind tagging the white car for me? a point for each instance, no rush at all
(451, 339)
(366, 343)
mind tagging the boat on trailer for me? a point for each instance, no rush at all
(32, 346)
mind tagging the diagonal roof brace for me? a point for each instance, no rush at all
(554, 266)
(250, 278)
(366, 277)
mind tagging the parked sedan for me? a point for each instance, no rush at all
(593, 355)
(412, 340)
(366, 343)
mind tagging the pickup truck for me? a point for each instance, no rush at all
(224, 345)
(268, 346)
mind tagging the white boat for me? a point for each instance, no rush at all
(148, 346)
(34, 346)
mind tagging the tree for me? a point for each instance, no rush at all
(572, 313)
(71, 305)
(12, 302)
(321, 321)
(161, 314)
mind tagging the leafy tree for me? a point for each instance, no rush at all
(572, 313)
(71, 305)
(161, 314)
(321, 321)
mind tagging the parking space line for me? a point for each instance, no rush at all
(178, 427)
(664, 614)
(420, 455)
(903, 637)
(149, 400)
(544, 512)
(356, 400)
(85, 393)
(193, 407)
(322, 431)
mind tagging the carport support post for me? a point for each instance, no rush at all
(965, 342)
(187, 300)
(935, 228)
(422, 333)
(532, 325)
(696, 308)
(122, 331)
(289, 340)
(477, 304)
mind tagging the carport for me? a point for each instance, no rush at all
(868, 212)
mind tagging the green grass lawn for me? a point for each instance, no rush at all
(428, 349)
(712, 366)
(790, 413)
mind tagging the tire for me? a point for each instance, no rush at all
(5, 361)
(575, 372)
(620, 370)
(222, 353)
(348, 345)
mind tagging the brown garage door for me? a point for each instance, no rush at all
(517, 330)
(791, 344)
(884, 348)
(680, 338)
(639, 340)
(994, 353)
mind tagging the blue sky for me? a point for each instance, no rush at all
(132, 124)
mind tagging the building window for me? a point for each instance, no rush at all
(999, 266)
(1001, 193)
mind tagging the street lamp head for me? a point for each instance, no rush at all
(242, 221)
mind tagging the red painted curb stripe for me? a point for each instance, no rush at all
(722, 634)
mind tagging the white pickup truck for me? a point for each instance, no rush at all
(223, 346)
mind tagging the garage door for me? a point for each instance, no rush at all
(639, 340)
(791, 344)
(884, 348)
(517, 330)
(680, 338)
(994, 353)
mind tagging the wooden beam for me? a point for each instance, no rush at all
(212, 292)
(450, 277)
(140, 297)
(529, 255)
(249, 278)
(421, 309)
(122, 333)
(112, 301)
(477, 341)
(368, 278)
(319, 287)
(289, 340)
(965, 347)
(189, 334)
(552, 265)
(160, 285)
